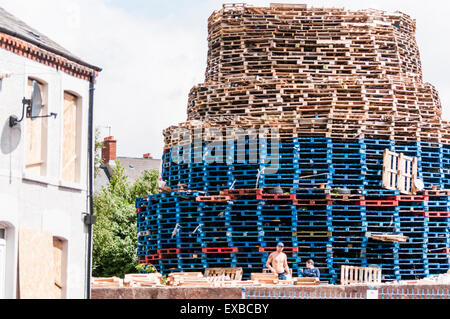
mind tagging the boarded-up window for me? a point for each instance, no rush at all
(70, 156)
(36, 265)
(2, 262)
(58, 263)
(36, 141)
(399, 172)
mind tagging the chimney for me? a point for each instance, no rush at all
(109, 149)
(148, 156)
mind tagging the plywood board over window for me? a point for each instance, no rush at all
(2, 262)
(36, 265)
(36, 135)
(69, 156)
(58, 262)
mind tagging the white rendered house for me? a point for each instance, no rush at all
(44, 180)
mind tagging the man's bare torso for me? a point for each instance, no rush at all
(278, 260)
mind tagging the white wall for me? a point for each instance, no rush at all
(41, 203)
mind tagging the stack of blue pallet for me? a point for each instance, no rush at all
(438, 252)
(331, 233)
(384, 254)
(314, 231)
(412, 254)
(348, 166)
(303, 163)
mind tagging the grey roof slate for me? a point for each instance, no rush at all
(134, 167)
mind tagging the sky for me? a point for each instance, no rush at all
(153, 52)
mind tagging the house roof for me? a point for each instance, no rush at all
(134, 167)
(12, 26)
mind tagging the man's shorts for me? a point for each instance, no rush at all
(282, 276)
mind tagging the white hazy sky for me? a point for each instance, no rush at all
(153, 52)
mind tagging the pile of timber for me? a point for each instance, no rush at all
(143, 280)
(223, 274)
(108, 282)
(306, 281)
(313, 71)
(188, 279)
(267, 278)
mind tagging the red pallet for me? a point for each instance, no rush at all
(213, 198)
(169, 251)
(436, 193)
(150, 258)
(220, 250)
(435, 214)
(378, 203)
(243, 192)
(272, 249)
(289, 197)
(409, 198)
(140, 209)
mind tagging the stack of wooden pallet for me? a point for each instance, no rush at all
(270, 279)
(305, 281)
(223, 274)
(238, 283)
(108, 282)
(143, 280)
(345, 74)
(188, 279)
(265, 278)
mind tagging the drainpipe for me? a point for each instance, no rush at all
(89, 218)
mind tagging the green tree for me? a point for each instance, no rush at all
(115, 233)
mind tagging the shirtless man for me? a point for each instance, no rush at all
(277, 262)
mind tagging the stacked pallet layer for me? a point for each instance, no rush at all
(185, 231)
(301, 163)
(307, 100)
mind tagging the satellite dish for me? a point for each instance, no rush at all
(36, 101)
(418, 183)
(33, 107)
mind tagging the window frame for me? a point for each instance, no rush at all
(78, 138)
(43, 160)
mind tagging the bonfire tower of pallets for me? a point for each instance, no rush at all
(338, 88)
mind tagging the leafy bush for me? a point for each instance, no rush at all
(114, 234)
(146, 268)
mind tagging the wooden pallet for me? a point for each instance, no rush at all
(265, 278)
(306, 281)
(143, 280)
(392, 238)
(107, 282)
(224, 274)
(188, 279)
(360, 275)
